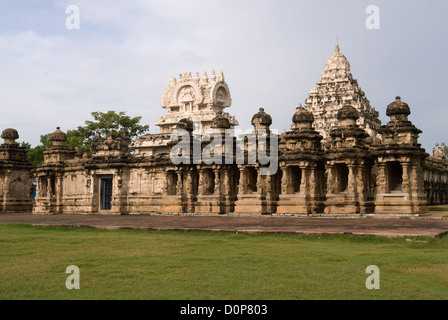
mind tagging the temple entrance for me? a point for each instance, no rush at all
(341, 177)
(106, 194)
(296, 176)
(395, 176)
(252, 178)
(209, 182)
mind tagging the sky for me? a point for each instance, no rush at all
(271, 52)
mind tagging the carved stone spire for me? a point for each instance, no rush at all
(335, 89)
(204, 78)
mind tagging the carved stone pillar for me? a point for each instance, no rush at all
(414, 180)
(242, 184)
(285, 180)
(259, 182)
(269, 184)
(189, 183)
(351, 187)
(312, 181)
(201, 186)
(38, 183)
(58, 191)
(381, 179)
(330, 179)
(304, 180)
(406, 183)
(217, 182)
(179, 183)
(360, 177)
(226, 182)
(49, 188)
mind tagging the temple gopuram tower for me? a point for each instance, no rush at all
(337, 88)
(198, 99)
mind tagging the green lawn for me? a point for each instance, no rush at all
(438, 208)
(124, 264)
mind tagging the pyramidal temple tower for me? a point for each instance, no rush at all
(193, 101)
(335, 89)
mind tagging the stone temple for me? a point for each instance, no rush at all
(337, 159)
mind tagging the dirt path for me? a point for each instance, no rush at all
(393, 227)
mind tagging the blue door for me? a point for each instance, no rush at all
(106, 194)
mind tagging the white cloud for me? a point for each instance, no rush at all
(272, 53)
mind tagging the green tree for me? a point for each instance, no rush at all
(106, 123)
(36, 155)
(25, 145)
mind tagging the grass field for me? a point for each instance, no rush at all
(124, 264)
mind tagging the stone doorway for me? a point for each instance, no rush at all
(342, 177)
(395, 176)
(106, 194)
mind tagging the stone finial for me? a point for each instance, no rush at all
(58, 138)
(398, 108)
(347, 116)
(262, 117)
(439, 152)
(185, 124)
(220, 121)
(220, 76)
(213, 76)
(261, 120)
(336, 62)
(348, 112)
(172, 82)
(10, 135)
(204, 78)
(303, 116)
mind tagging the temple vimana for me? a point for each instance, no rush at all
(336, 159)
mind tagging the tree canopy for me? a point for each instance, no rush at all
(36, 155)
(106, 123)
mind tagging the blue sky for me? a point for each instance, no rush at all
(271, 52)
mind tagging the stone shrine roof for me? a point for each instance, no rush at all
(10, 134)
(58, 135)
(302, 115)
(398, 107)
